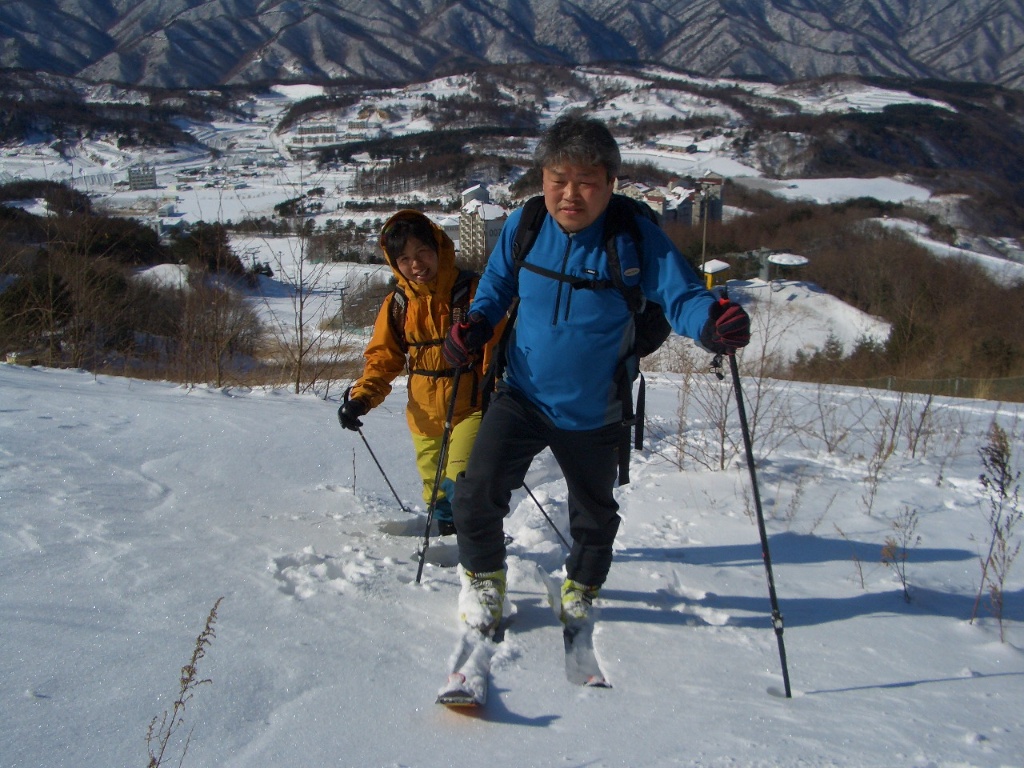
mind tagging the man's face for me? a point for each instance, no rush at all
(575, 195)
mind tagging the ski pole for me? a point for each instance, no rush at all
(766, 556)
(385, 474)
(550, 521)
(442, 459)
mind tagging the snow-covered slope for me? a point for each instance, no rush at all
(130, 507)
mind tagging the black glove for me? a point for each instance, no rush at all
(727, 328)
(465, 340)
(349, 413)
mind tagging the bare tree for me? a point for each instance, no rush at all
(885, 438)
(898, 544)
(700, 432)
(306, 340)
(919, 426)
(216, 327)
(767, 403)
(830, 418)
(1000, 482)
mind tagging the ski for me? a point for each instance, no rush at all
(469, 670)
(581, 664)
(456, 694)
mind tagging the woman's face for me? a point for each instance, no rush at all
(417, 262)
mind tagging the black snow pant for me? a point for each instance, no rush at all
(512, 433)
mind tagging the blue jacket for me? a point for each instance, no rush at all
(567, 343)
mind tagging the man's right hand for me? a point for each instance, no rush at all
(349, 413)
(465, 340)
(727, 328)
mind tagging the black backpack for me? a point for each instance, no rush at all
(461, 290)
(650, 324)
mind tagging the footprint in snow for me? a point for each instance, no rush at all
(306, 574)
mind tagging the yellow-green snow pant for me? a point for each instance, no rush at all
(428, 452)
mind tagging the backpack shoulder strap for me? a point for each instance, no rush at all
(530, 222)
(621, 219)
(652, 327)
(461, 290)
(396, 317)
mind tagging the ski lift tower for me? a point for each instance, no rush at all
(710, 197)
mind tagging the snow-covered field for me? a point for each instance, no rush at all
(130, 507)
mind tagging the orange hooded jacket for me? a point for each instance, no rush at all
(427, 321)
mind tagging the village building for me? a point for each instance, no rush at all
(142, 177)
(480, 223)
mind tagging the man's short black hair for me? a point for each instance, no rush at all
(580, 140)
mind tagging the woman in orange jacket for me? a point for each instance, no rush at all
(432, 294)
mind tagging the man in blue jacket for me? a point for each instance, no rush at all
(559, 388)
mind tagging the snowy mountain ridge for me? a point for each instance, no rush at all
(195, 43)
